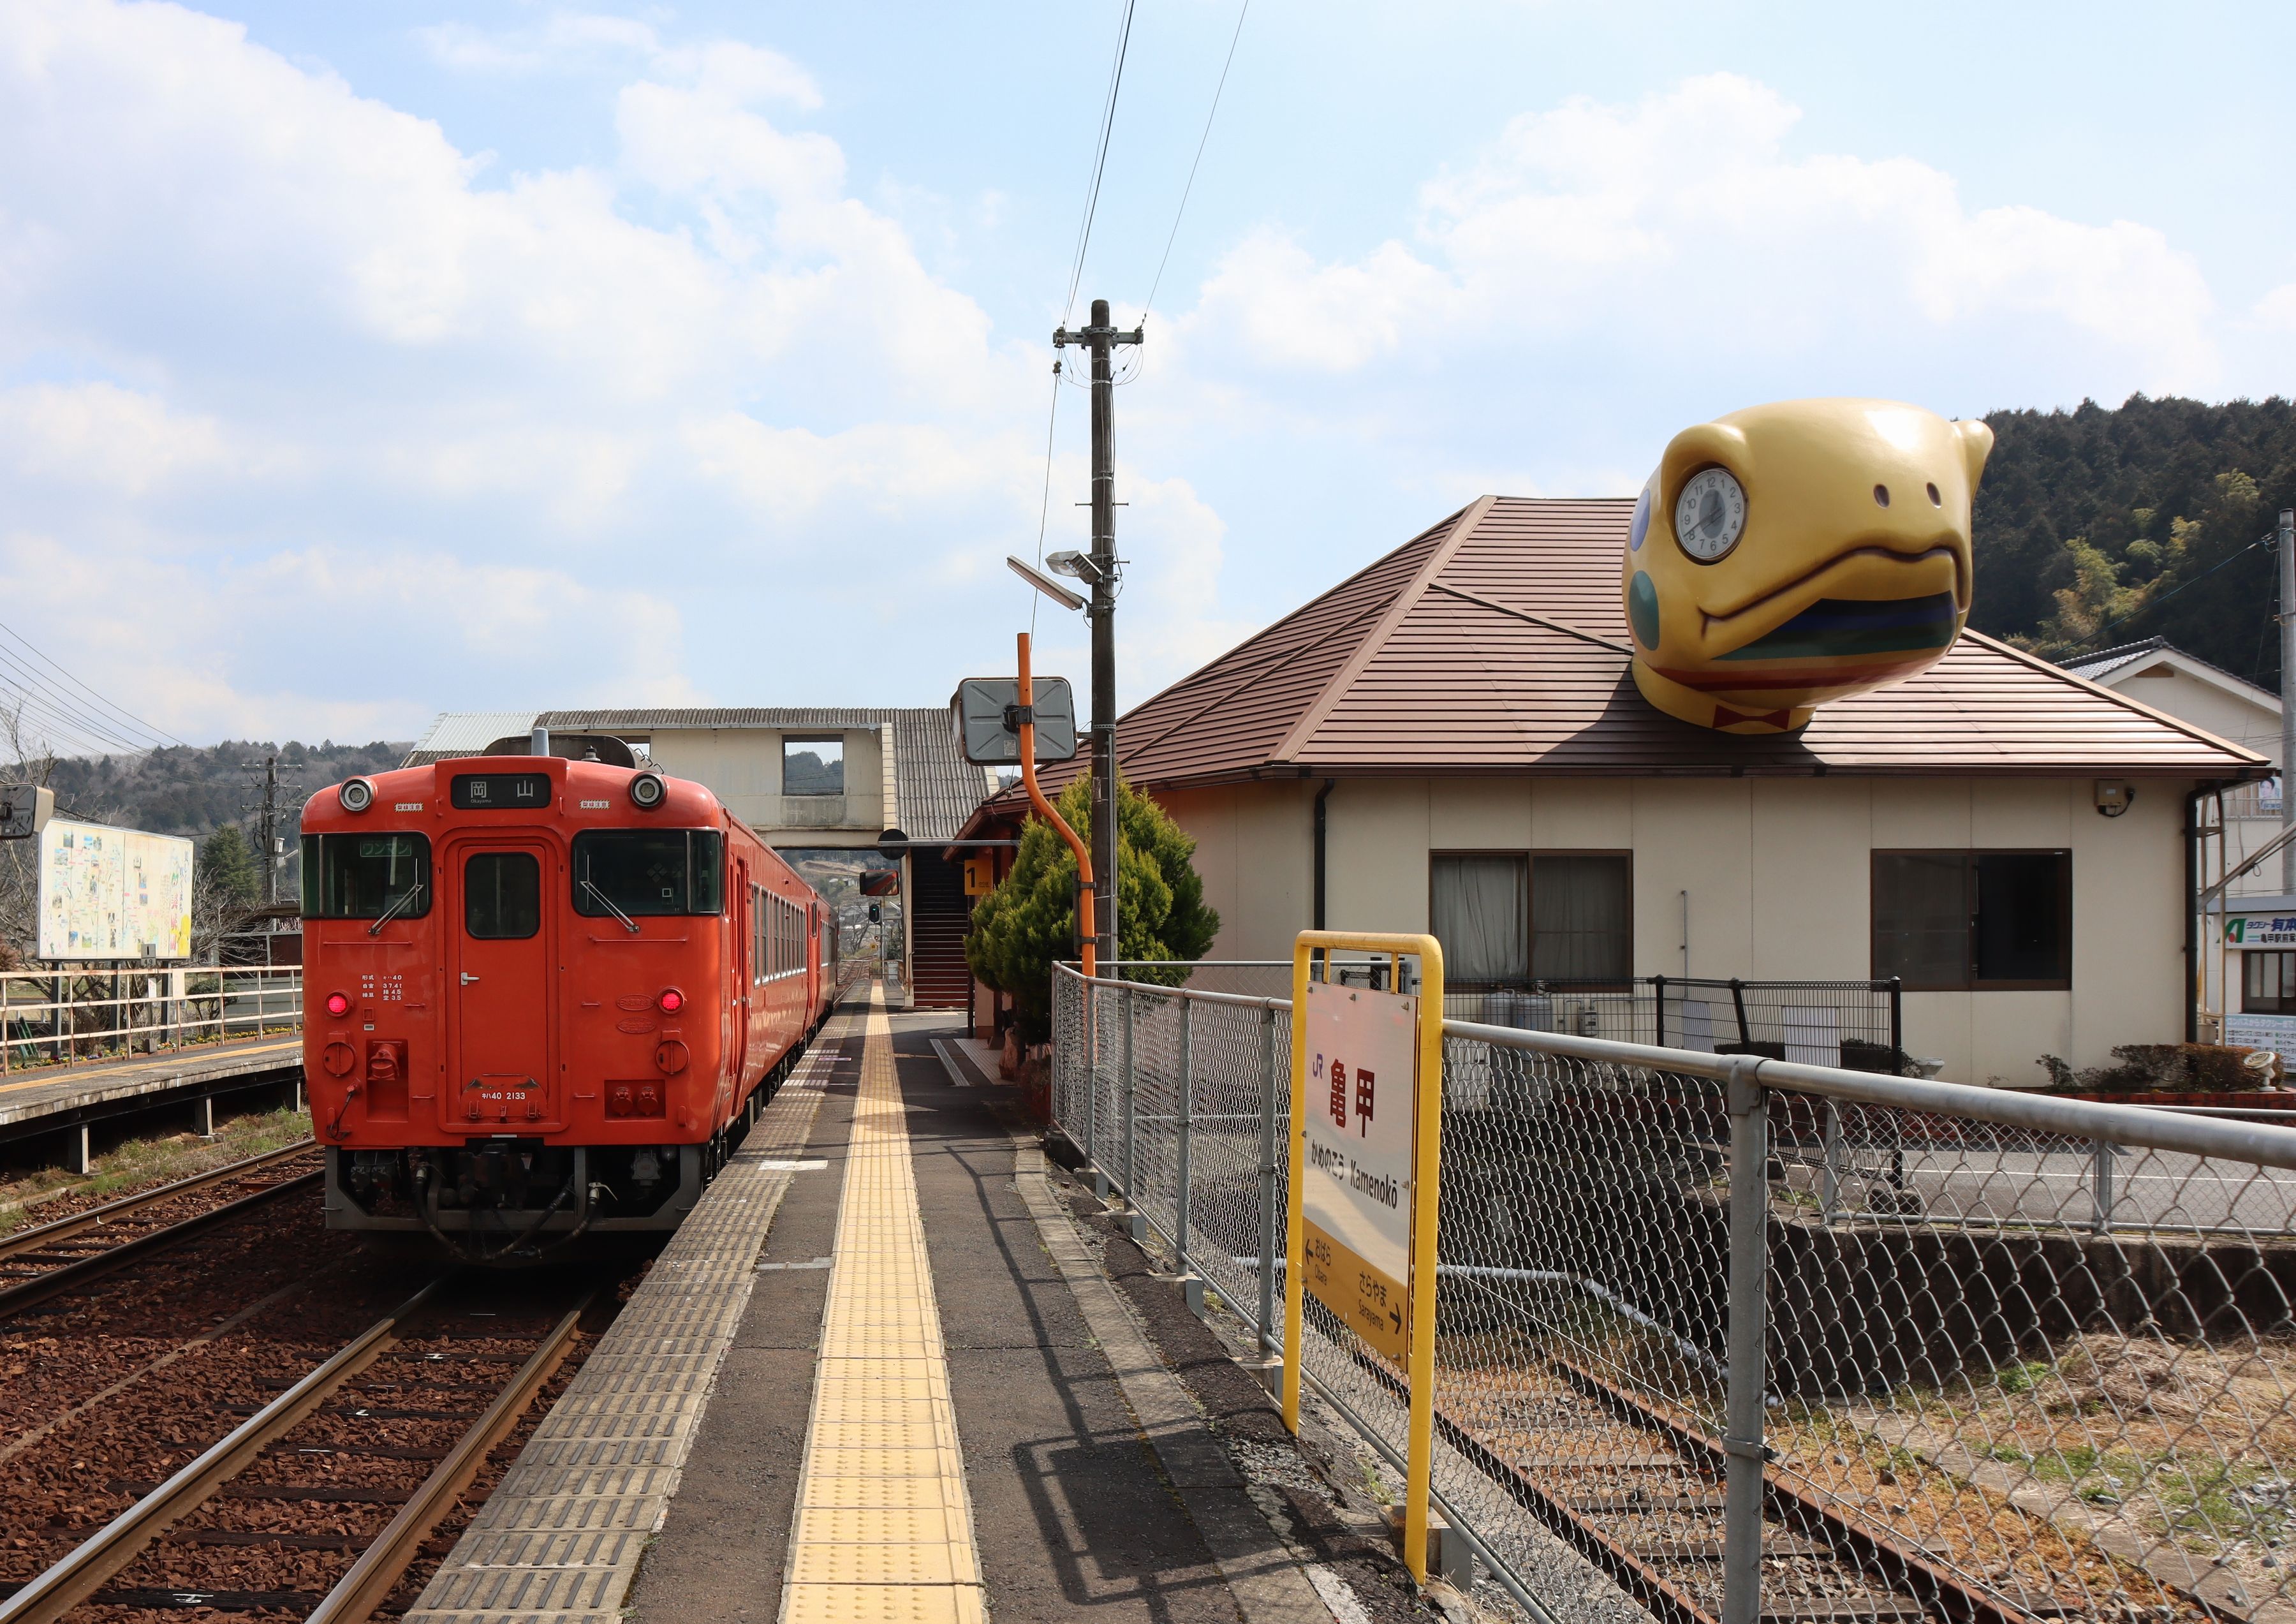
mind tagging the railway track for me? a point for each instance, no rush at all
(318, 1501)
(67, 1252)
(1643, 1501)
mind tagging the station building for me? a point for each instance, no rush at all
(882, 786)
(1450, 740)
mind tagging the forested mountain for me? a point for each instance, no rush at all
(2101, 526)
(190, 791)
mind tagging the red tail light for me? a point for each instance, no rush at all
(338, 1004)
(671, 1001)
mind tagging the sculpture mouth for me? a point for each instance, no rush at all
(1845, 605)
(1833, 628)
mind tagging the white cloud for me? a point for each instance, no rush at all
(392, 402)
(102, 435)
(1685, 217)
(569, 41)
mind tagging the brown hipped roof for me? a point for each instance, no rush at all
(1494, 642)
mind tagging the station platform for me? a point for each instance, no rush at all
(891, 1369)
(61, 1099)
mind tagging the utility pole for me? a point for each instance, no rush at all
(1100, 338)
(2286, 549)
(266, 826)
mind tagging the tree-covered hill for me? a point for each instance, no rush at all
(2106, 525)
(191, 791)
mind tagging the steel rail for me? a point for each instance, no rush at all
(68, 1276)
(112, 1547)
(64, 1228)
(1862, 1550)
(383, 1563)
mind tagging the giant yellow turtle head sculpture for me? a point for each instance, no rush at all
(1798, 552)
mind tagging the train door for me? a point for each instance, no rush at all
(504, 1078)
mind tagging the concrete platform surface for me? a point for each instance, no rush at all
(724, 1454)
(105, 1087)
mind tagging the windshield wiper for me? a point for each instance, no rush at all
(629, 924)
(391, 913)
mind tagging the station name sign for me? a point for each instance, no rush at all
(1362, 1050)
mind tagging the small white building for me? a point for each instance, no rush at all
(2249, 939)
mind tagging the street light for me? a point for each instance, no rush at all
(1044, 584)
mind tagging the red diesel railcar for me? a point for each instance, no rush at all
(543, 996)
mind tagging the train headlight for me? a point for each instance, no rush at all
(671, 1001)
(646, 791)
(338, 1004)
(357, 796)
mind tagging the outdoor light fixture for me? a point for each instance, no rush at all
(357, 796)
(1046, 583)
(1068, 562)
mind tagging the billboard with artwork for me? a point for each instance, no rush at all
(110, 893)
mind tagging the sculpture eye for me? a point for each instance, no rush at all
(1710, 515)
(1880, 495)
(1936, 500)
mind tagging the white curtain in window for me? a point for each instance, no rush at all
(1482, 917)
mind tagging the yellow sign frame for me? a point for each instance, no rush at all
(1426, 1182)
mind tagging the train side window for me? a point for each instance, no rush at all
(649, 872)
(502, 896)
(363, 876)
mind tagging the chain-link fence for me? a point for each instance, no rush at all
(1732, 1338)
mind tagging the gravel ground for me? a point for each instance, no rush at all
(48, 1193)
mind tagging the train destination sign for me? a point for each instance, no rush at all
(1362, 1050)
(498, 792)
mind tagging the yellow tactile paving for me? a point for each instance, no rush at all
(883, 1533)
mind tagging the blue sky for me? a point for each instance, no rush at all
(366, 360)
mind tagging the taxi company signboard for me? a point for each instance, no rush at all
(1362, 1049)
(2260, 930)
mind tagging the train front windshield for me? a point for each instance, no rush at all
(364, 876)
(634, 872)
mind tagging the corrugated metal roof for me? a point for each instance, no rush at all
(1494, 642)
(467, 732)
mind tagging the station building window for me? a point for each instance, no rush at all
(1510, 918)
(2268, 983)
(1973, 921)
(813, 766)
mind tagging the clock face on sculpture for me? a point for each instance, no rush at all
(1820, 549)
(1710, 514)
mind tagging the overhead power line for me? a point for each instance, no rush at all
(1099, 163)
(1202, 142)
(72, 710)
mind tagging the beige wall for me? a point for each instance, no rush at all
(2253, 722)
(742, 768)
(1777, 873)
